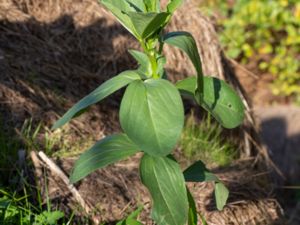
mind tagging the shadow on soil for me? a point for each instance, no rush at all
(284, 149)
(45, 68)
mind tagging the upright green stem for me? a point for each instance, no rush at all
(151, 53)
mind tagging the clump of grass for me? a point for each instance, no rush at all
(204, 141)
(53, 143)
(16, 209)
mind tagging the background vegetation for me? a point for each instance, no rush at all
(264, 32)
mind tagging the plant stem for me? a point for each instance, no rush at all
(151, 53)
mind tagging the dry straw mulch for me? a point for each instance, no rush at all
(54, 52)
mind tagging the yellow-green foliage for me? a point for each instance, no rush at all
(205, 141)
(270, 32)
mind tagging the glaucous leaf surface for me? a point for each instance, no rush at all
(146, 24)
(152, 115)
(108, 150)
(221, 195)
(165, 182)
(104, 90)
(218, 98)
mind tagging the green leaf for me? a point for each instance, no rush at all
(107, 151)
(138, 5)
(219, 99)
(104, 90)
(50, 218)
(152, 5)
(221, 195)
(192, 217)
(132, 218)
(165, 182)
(186, 42)
(152, 115)
(198, 173)
(136, 213)
(146, 24)
(130, 221)
(143, 61)
(161, 61)
(119, 8)
(173, 5)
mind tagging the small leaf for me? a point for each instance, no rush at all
(130, 221)
(152, 5)
(192, 217)
(221, 195)
(152, 115)
(198, 173)
(104, 90)
(186, 42)
(219, 99)
(107, 151)
(136, 213)
(165, 182)
(147, 23)
(143, 61)
(132, 218)
(173, 5)
(161, 61)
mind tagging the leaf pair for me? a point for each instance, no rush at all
(136, 18)
(213, 94)
(199, 173)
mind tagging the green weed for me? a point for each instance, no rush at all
(204, 141)
(20, 211)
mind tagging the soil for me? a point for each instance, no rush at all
(116, 191)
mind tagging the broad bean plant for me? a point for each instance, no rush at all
(152, 113)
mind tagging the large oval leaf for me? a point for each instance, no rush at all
(104, 90)
(108, 150)
(152, 116)
(218, 98)
(164, 180)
